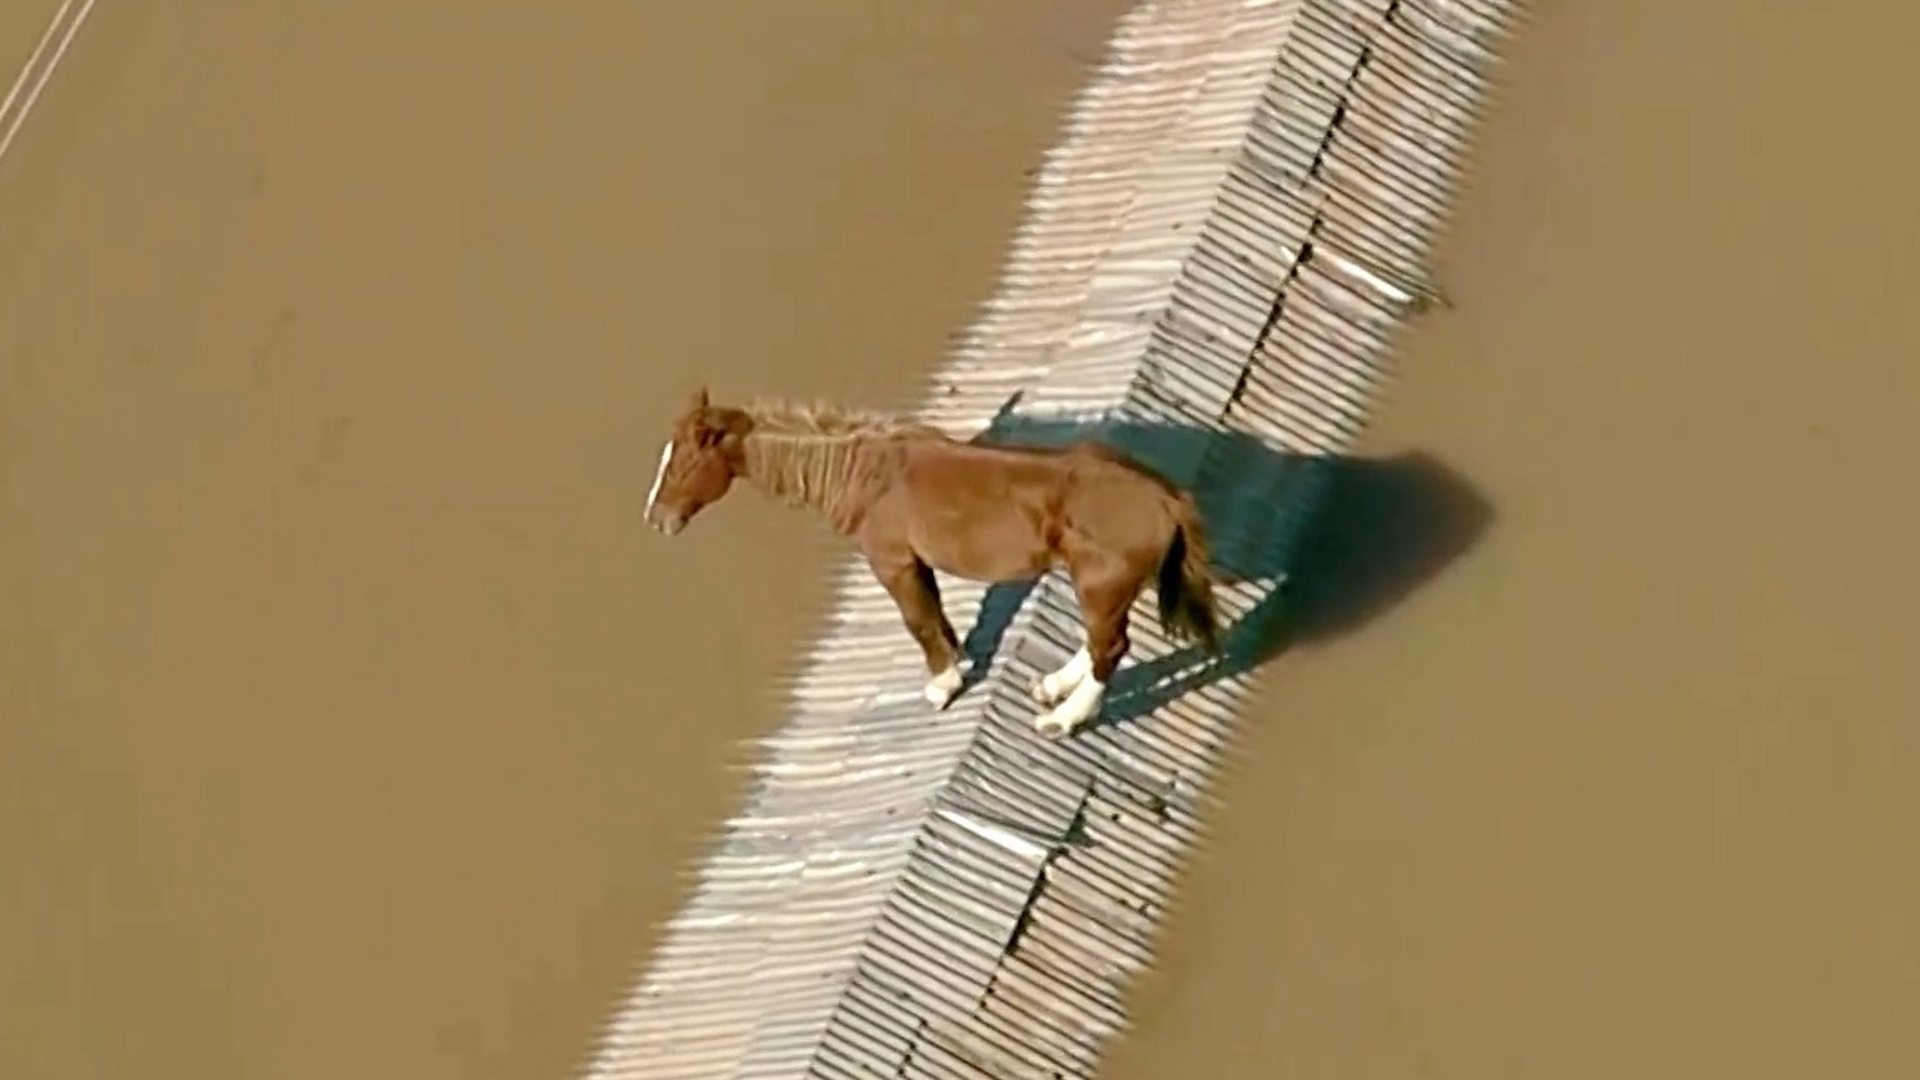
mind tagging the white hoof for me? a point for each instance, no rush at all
(942, 688)
(1082, 704)
(1048, 691)
(1051, 727)
(1055, 686)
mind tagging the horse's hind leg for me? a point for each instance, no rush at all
(911, 584)
(1106, 591)
(1054, 686)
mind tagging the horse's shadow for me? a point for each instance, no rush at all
(1345, 538)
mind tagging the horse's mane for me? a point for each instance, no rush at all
(810, 454)
(824, 419)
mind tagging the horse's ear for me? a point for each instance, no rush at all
(699, 400)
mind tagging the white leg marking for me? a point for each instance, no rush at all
(942, 687)
(1082, 705)
(659, 475)
(1056, 685)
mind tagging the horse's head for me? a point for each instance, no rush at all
(698, 464)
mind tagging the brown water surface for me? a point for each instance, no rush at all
(350, 724)
(1629, 788)
(350, 727)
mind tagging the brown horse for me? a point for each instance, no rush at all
(915, 501)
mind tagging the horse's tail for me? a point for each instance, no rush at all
(1185, 586)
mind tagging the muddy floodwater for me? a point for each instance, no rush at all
(351, 725)
(1620, 775)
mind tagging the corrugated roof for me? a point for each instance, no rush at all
(1215, 259)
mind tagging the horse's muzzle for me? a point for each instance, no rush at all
(667, 522)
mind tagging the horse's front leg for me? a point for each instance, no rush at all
(911, 584)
